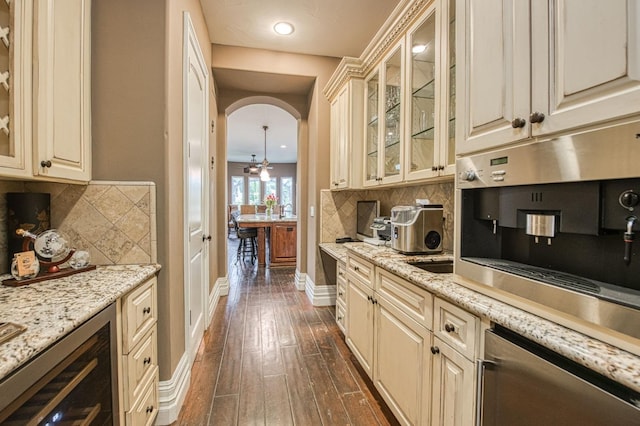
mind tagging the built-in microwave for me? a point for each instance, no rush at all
(554, 222)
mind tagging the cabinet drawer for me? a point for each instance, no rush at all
(360, 268)
(137, 366)
(456, 327)
(145, 409)
(139, 311)
(417, 303)
(341, 311)
(341, 274)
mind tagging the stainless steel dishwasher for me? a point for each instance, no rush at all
(521, 383)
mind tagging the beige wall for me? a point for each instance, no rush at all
(137, 130)
(313, 143)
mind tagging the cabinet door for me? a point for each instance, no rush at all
(402, 363)
(586, 62)
(372, 103)
(447, 137)
(359, 325)
(453, 387)
(15, 90)
(63, 89)
(283, 244)
(424, 81)
(392, 136)
(494, 77)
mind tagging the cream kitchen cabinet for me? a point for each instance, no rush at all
(341, 295)
(138, 352)
(384, 117)
(45, 110)
(15, 93)
(431, 105)
(62, 89)
(346, 136)
(529, 69)
(360, 311)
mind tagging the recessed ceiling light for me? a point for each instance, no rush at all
(419, 48)
(283, 146)
(283, 28)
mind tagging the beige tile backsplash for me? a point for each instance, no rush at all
(338, 208)
(114, 221)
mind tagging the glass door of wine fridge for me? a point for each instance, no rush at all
(73, 382)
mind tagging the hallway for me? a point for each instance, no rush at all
(269, 357)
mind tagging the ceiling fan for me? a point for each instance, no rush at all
(253, 168)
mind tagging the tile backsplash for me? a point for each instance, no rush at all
(114, 221)
(338, 208)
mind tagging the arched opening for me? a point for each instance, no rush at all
(260, 130)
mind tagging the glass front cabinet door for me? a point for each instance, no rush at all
(384, 118)
(431, 76)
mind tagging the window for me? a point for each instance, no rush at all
(237, 190)
(254, 191)
(286, 191)
(271, 187)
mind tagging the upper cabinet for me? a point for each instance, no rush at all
(431, 73)
(15, 93)
(346, 135)
(535, 68)
(45, 101)
(408, 102)
(384, 120)
(62, 95)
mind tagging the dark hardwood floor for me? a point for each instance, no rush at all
(270, 358)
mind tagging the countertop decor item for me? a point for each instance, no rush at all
(30, 211)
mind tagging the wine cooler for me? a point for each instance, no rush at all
(72, 383)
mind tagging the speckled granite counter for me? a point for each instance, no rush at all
(608, 360)
(51, 309)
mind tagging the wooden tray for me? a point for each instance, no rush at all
(43, 276)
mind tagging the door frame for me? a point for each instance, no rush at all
(190, 38)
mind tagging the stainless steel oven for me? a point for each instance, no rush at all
(73, 382)
(554, 222)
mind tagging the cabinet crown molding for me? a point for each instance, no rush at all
(393, 28)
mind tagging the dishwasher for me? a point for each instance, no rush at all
(522, 383)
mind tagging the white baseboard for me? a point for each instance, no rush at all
(173, 392)
(301, 280)
(320, 295)
(221, 288)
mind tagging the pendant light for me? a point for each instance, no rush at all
(264, 173)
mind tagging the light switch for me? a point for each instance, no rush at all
(312, 211)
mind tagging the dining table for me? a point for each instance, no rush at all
(264, 222)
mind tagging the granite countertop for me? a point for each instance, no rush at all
(261, 217)
(52, 309)
(610, 361)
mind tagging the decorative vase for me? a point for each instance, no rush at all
(269, 210)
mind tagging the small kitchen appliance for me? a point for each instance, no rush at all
(382, 226)
(417, 229)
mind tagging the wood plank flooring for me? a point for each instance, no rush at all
(270, 358)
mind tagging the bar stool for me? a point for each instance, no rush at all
(248, 241)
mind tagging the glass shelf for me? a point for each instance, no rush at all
(427, 91)
(427, 134)
(392, 143)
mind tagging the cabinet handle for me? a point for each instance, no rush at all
(518, 123)
(434, 169)
(374, 301)
(146, 310)
(357, 269)
(339, 317)
(46, 164)
(435, 350)
(449, 328)
(146, 361)
(206, 238)
(536, 117)
(340, 293)
(150, 409)
(341, 274)
(440, 167)
(369, 298)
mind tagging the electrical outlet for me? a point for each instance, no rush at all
(312, 211)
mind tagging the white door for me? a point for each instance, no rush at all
(196, 184)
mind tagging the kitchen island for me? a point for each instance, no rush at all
(282, 237)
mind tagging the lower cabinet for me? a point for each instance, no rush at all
(453, 390)
(341, 296)
(138, 351)
(402, 363)
(426, 376)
